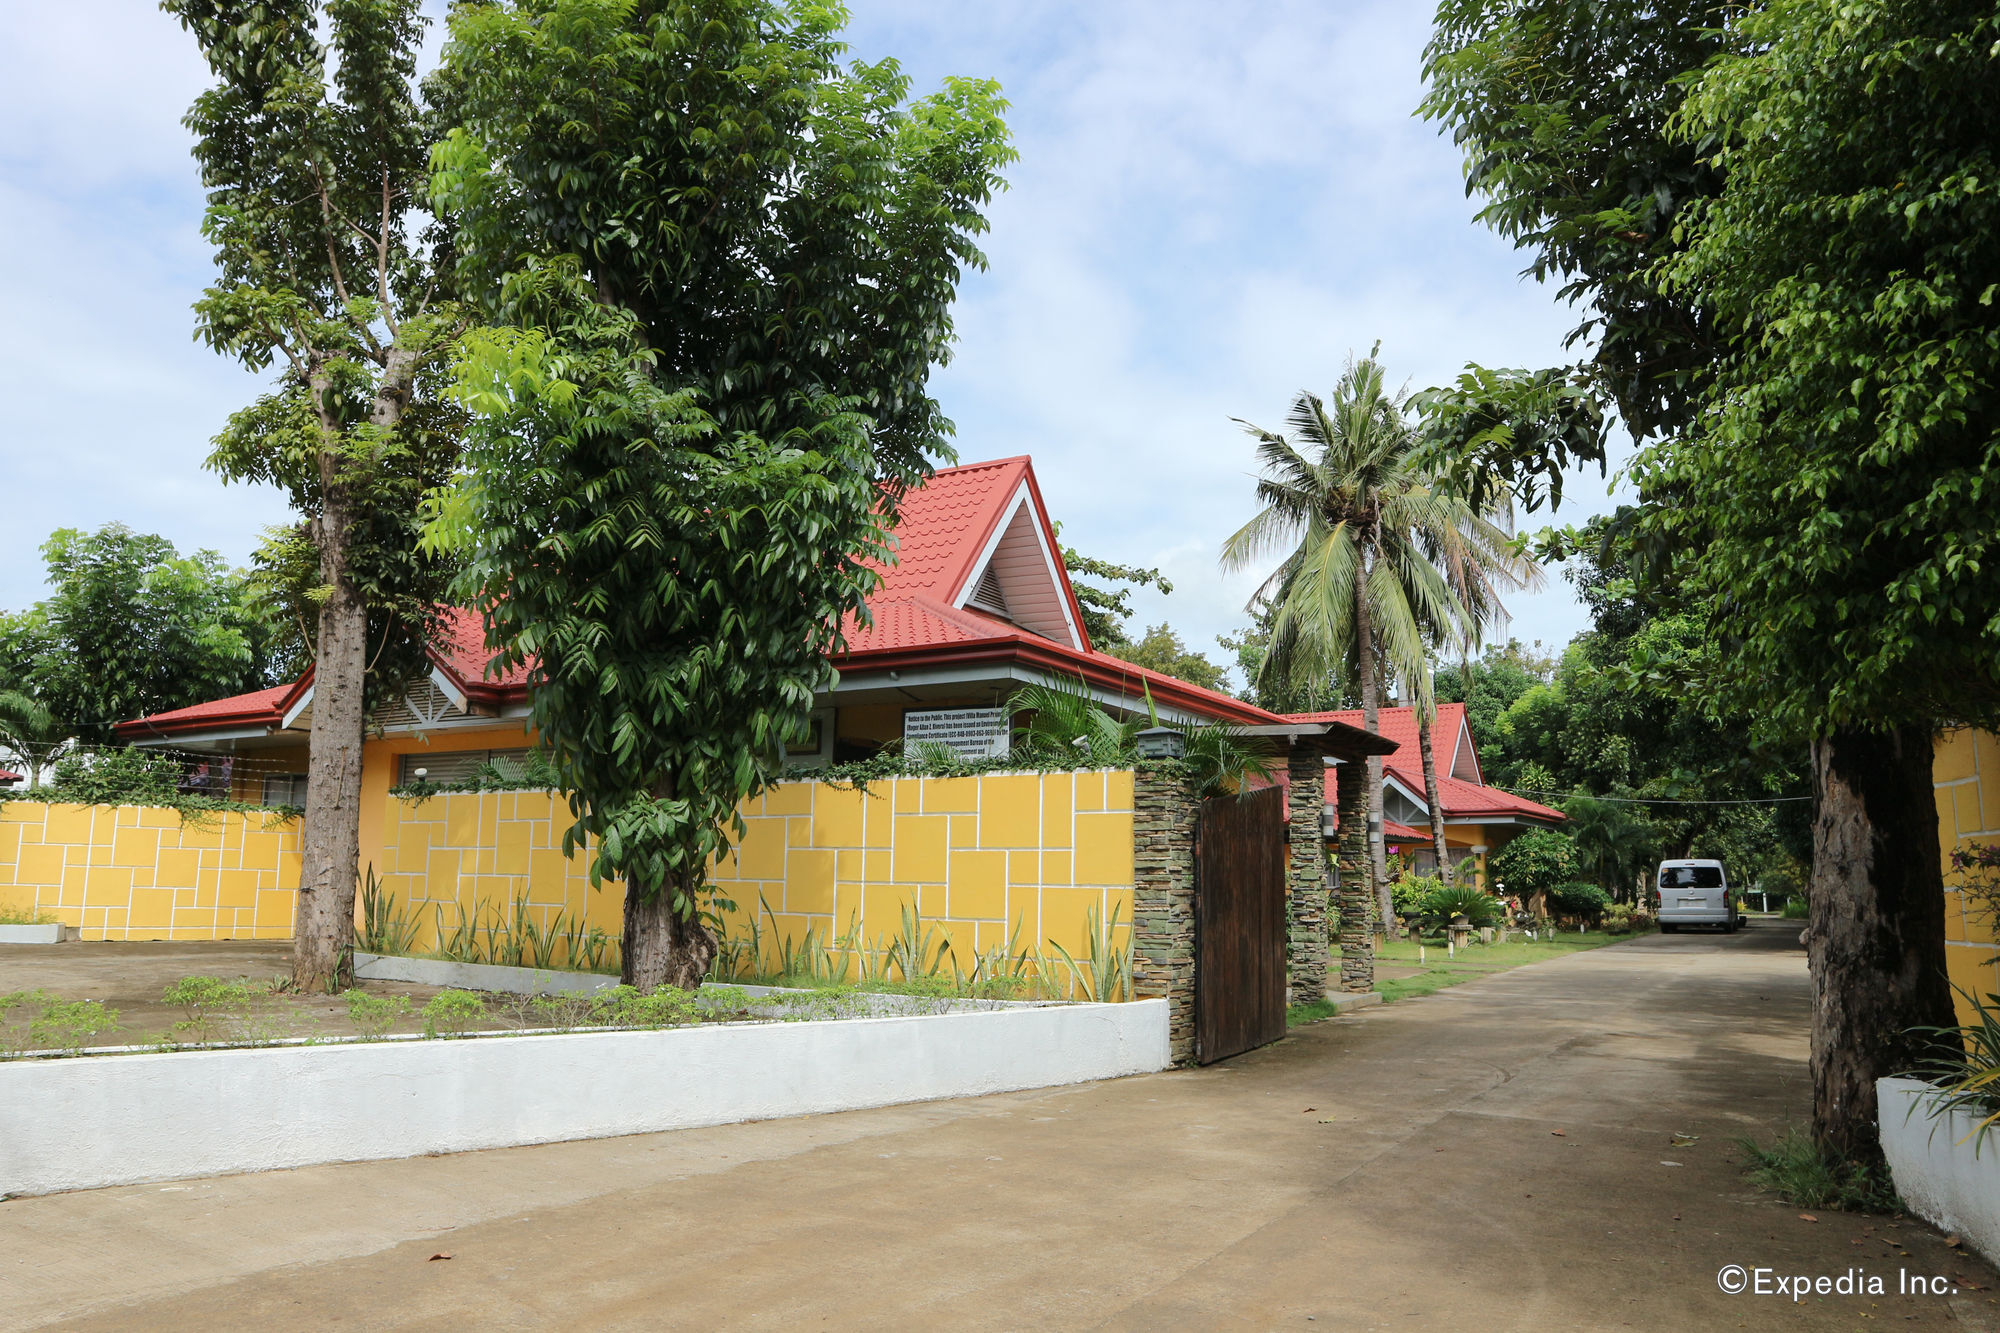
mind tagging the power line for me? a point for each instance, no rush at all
(1651, 800)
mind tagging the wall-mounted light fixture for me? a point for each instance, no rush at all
(1161, 743)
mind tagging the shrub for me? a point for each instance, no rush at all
(374, 1015)
(66, 1024)
(205, 1000)
(1795, 909)
(1443, 903)
(451, 1012)
(1408, 893)
(1967, 1072)
(1585, 901)
(1536, 862)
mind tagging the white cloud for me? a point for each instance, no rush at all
(1215, 205)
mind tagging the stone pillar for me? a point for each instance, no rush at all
(1164, 807)
(1305, 933)
(1357, 956)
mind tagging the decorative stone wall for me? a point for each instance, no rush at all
(1305, 936)
(1163, 816)
(1357, 956)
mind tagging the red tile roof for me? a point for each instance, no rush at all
(6, 776)
(1461, 799)
(1469, 800)
(1394, 832)
(944, 529)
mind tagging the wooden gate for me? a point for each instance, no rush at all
(1239, 943)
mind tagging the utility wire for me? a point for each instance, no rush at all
(1651, 800)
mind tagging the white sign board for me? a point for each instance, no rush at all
(975, 733)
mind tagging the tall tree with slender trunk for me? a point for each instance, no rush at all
(1378, 562)
(719, 260)
(313, 154)
(1780, 220)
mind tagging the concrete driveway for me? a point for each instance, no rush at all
(1549, 1148)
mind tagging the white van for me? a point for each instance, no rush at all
(1696, 893)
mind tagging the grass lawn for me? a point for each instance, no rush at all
(1436, 969)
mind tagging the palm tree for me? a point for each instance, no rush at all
(1378, 562)
(30, 733)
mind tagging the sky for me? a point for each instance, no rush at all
(1215, 205)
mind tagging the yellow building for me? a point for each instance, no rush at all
(1966, 773)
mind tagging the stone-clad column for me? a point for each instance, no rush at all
(1163, 814)
(1305, 939)
(1357, 956)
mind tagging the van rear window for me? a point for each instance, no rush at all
(1691, 877)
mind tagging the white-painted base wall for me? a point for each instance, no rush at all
(90, 1121)
(54, 933)
(1940, 1173)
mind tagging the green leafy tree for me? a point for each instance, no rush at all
(1378, 563)
(720, 262)
(1160, 649)
(1293, 693)
(31, 735)
(1564, 109)
(131, 627)
(1833, 491)
(1533, 863)
(1107, 609)
(313, 154)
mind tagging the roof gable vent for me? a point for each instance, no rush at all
(987, 594)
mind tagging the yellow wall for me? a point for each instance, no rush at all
(1001, 858)
(140, 873)
(1020, 857)
(1966, 773)
(482, 853)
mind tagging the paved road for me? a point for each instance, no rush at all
(1496, 1156)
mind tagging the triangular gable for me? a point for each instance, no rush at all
(1018, 574)
(1464, 763)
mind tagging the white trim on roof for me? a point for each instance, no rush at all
(1022, 503)
(292, 713)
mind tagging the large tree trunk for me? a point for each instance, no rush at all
(1431, 798)
(323, 928)
(1364, 635)
(323, 925)
(1875, 938)
(663, 947)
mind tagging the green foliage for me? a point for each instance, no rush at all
(1161, 650)
(1586, 902)
(207, 1002)
(31, 735)
(116, 777)
(1966, 1070)
(1107, 609)
(1799, 1171)
(1297, 693)
(1563, 109)
(724, 262)
(452, 1013)
(68, 1025)
(374, 1015)
(25, 916)
(1065, 719)
(1795, 909)
(131, 627)
(1105, 975)
(1445, 902)
(383, 929)
(1407, 894)
(664, 1007)
(1538, 861)
(1834, 493)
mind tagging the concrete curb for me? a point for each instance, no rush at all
(53, 933)
(1347, 1001)
(90, 1121)
(1947, 1177)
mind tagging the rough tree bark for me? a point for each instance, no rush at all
(330, 861)
(1431, 799)
(663, 947)
(1875, 937)
(323, 928)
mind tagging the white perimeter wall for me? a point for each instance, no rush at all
(1943, 1175)
(85, 1122)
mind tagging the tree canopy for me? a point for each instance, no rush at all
(132, 627)
(718, 261)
